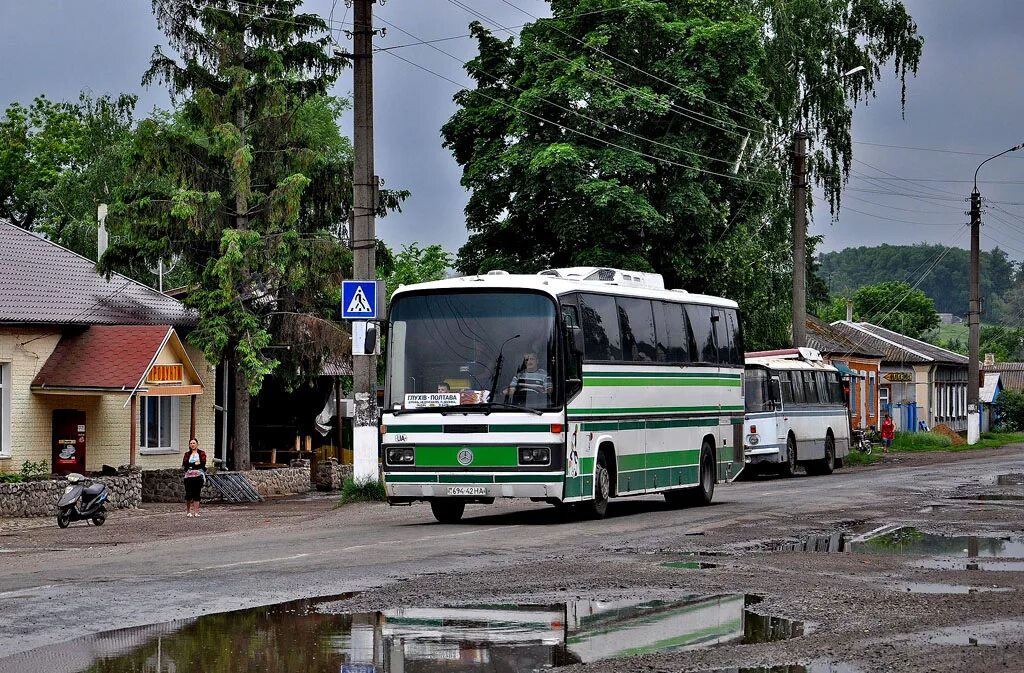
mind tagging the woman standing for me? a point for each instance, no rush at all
(194, 465)
(888, 432)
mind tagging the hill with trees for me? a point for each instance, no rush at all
(946, 282)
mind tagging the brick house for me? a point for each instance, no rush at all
(93, 371)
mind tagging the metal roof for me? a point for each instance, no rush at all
(43, 283)
(897, 347)
(1011, 374)
(833, 342)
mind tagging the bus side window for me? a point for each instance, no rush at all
(799, 392)
(704, 335)
(600, 328)
(735, 337)
(811, 387)
(786, 381)
(673, 332)
(636, 321)
(836, 386)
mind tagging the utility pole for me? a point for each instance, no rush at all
(364, 239)
(799, 239)
(974, 323)
(974, 309)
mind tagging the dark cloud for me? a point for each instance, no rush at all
(968, 96)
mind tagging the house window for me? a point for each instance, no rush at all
(872, 408)
(5, 408)
(158, 424)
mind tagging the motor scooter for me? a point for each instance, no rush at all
(80, 502)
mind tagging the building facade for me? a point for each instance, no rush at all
(93, 371)
(860, 367)
(919, 385)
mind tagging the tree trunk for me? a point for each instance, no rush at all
(241, 418)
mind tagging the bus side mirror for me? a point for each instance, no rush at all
(370, 344)
(775, 391)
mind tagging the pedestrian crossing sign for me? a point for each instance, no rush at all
(359, 300)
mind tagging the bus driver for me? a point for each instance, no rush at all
(530, 377)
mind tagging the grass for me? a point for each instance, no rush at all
(919, 442)
(370, 490)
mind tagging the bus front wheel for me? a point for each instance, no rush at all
(789, 467)
(448, 511)
(602, 488)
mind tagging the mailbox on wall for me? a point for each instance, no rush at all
(68, 441)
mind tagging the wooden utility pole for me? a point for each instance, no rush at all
(364, 238)
(799, 239)
(974, 323)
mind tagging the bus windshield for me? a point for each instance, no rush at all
(756, 391)
(485, 349)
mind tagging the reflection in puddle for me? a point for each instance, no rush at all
(295, 636)
(909, 541)
(689, 565)
(995, 497)
(1010, 480)
(813, 667)
(936, 588)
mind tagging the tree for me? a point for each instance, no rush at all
(1009, 411)
(248, 183)
(414, 264)
(607, 136)
(895, 306)
(59, 161)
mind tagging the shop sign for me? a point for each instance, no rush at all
(899, 377)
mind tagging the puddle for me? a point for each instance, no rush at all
(813, 667)
(689, 565)
(959, 637)
(936, 588)
(297, 636)
(908, 541)
(1010, 480)
(992, 496)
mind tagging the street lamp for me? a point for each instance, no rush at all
(974, 309)
(799, 316)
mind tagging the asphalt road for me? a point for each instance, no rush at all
(155, 565)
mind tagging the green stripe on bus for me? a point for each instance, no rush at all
(520, 428)
(484, 455)
(406, 478)
(658, 382)
(472, 478)
(679, 375)
(653, 410)
(414, 428)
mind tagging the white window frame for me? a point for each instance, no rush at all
(6, 386)
(175, 427)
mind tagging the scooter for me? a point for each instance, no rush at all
(81, 502)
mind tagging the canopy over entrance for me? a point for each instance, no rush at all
(127, 360)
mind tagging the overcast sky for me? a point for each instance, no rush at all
(968, 97)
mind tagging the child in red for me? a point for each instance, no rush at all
(888, 432)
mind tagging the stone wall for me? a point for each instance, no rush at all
(330, 475)
(39, 497)
(168, 486)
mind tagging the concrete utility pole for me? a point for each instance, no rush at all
(974, 310)
(364, 238)
(799, 239)
(974, 323)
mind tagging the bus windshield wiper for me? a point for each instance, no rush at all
(487, 407)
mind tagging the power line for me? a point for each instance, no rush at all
(893, 219)
(925, 149)
(566, 109)
(576, 131)
(685, 112)
(897, 177)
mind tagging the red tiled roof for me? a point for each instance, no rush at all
(112, 357)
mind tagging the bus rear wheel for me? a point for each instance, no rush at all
(826, 465)
(448, 511)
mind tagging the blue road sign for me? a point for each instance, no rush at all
(359, 299)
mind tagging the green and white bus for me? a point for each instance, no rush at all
(572, 387)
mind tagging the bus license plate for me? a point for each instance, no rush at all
(467, 490)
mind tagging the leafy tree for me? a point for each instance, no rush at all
(59, 161)
(414, 264)
(248, 183)
(894, 305)
(1009, 408)
(608, 137)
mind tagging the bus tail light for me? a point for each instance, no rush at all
(753, 429)
(556, 428)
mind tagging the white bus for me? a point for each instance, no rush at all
(796, 412)
(572, 387)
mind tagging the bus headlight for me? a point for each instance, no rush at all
(529, 455)
(401, 455)
(753, 440)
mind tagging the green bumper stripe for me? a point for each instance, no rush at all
(471, 478)
(437, 429)
(483, 456)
